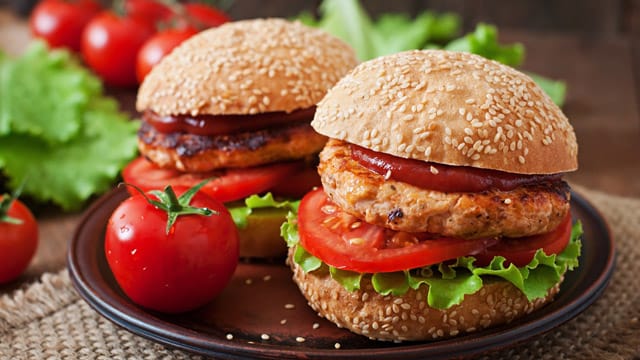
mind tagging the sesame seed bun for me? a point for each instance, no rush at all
(408, 317)
(452, 108)
(246, 67)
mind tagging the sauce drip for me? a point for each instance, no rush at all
(211, 125)
(439, 177)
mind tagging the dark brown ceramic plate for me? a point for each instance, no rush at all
(260, 298)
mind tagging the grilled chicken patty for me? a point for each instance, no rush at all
(199, 153)
(526, 210)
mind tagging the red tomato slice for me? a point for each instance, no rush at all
(298, 184)
(343, 241)
(227, 185)
(520, 251)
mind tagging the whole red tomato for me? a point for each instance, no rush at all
(167, 256)
(158, 46)
(110, 45)
(18, 237)
(203, 16)
(60, 22)
(152, 10)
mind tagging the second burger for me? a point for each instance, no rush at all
(234, 103)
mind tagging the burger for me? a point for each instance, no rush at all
(443, 209)
(234, 104)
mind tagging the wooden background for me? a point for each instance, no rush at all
(600, 17)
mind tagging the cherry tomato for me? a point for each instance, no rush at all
(60, 22)
(227, 185)
(153, 11)
(203, 16)
(18, 238)
(173, 269)
(159, 45)
(345, 242)
(110, 45)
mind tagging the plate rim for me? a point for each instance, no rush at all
(463, 346)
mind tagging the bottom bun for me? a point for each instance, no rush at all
(408, 317)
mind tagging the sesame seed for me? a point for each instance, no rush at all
(433, 170)
(248, 281)
(229, 336)
(283, 321)
(266, 278)
(328, 209)
(300, 339)
(264, 337)
(289, 306)
(336, 345)
(315, 326)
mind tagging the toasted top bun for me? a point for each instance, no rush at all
(246, 67)
(452, 108)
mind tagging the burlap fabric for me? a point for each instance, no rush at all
(49, 320)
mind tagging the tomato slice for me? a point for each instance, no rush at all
(345, 242)
(520, 251)
(298, 184)
(227, 185)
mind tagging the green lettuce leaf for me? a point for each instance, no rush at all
(289, 229)
(415, 33)
(67, 139)
(240, 214)
(484, 42)
(309, 263)
(45, 93)
(349, 21)
(448, 284)
(394, 32)
(556, 89)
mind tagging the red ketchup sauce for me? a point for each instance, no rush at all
(210, 125)
(439, 177)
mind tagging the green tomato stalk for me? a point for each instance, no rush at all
(5, 205)
(176, 206)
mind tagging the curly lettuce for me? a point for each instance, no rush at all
(394, 32)
(240, 214)
(58, 130)
(448, 283)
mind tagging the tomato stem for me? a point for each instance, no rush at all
(119, 8)
(5, 205)
(176, 206)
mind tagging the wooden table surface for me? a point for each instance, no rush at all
(603, 106)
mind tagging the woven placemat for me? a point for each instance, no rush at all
(48, 320)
